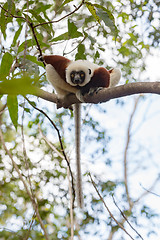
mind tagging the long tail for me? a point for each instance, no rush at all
(77, 117)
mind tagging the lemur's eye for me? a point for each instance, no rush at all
(89, 71)
(82, 74)
(72, 74)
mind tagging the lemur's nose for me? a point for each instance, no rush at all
(77, 78)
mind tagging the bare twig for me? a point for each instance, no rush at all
(126, 219)
(50, 144)
(67, 15)
(111, 215)
(149, 190)
(35, 37)
(30, 227)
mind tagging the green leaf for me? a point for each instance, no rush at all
(3, 20)
(133, 37)
(81, 52)
(72, 33)
(107, 18)
(65, 2)
(22, 85)
(16, 36)
(97, 55)
(102, 49)
(6, 64)
(34, 60)
(12, 104)
(38, 17)
(72, 30)
(92, 39)
(28, 43)
(92, 10)
(61, 37)
(125, 51)
(9, 5)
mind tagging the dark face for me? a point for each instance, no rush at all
(77, 77)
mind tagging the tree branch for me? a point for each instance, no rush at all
(106, 94)
(103, 95)
(124, 90)
(125, 218)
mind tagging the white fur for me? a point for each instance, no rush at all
(114, 77)
(62, 88)
(81, 65)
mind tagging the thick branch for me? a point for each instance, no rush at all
(103, 95)
(51, 97)
(110, 93)
(124, 90)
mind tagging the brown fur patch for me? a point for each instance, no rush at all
(101, 78)
(59, 63)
